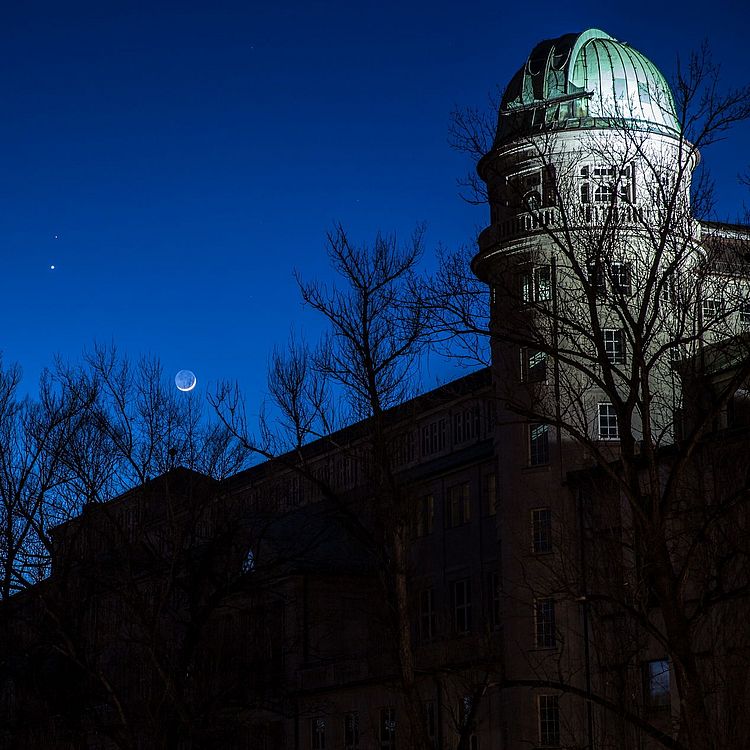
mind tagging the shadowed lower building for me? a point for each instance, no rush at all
(253, 613)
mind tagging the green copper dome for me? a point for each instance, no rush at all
(587, 80)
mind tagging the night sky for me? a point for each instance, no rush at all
(176, 162)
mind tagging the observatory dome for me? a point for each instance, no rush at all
(586, 80)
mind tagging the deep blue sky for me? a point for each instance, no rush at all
(176, 161)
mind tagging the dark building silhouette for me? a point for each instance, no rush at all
(252, 613)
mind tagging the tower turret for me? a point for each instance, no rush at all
(590, 225)
(591, 256)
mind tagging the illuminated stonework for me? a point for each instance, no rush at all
(587, 80)
(605, 293)
(589, 181)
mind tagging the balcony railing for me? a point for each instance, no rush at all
(587, 215)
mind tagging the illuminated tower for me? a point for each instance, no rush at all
(591, 242)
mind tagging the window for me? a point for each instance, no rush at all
(387, 729)
(614, 345)
(294, 490)
(536, 285)
(532, 197)
(527, 286)
(656, 687)
(493, 599)
(466, 424)
(585, 188)
(712, 308)
(351, 731)
(490, 491)
(524, 191)
(344, 474)
(248, 564)
(461, 605)
(611, 183)
(607, 184)
(403, 449)
(465, 706)
(745, 313)
(595, 277)
(544, 623)
(604, 193)
(425, 521)
(608, 427)
(433, 437)
(318, 734)
(533, 365)
(543, 283)
(603, 172)
(538, 444)
(620, 275)
(626, 186)
(541, 530)
(549, 720)
(322, 472)
(458, 506)
(427, 619)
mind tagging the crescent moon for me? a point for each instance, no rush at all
(185, 380)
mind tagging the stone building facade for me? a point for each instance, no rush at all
(611, 303)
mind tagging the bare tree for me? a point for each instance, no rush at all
(34, 436)
(378, 330)
(133, 572)
(362, 371)
(617, 327)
